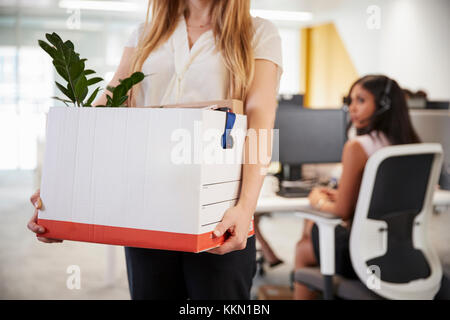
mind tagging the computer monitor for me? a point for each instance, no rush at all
(434, 126)
(290, 99)
(308, 136)
(444, 105)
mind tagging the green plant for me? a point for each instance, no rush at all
(71, 68)
(119, 93)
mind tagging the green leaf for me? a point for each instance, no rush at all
(59, 63)
(127, 83)
(65, 91)
(62, 72)
(94, 81)
(81, 88)
(120, 90)
(60, 99)
(84, 94)
(76, 69)
(69, 44)
(122, 100)
(92, 97)
(47, 48)
(64, 51)
(63, 100)
(137, 77)
(88, 72)
(54, 39)
(109, 100)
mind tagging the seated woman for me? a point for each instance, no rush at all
(378, 112)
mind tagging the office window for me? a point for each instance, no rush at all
(26, 85)
(8, 78)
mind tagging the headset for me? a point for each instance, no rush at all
(385, 102)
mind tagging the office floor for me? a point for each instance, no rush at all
(33, 270)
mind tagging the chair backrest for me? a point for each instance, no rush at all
(389, 247)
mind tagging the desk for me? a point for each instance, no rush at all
(280, 204)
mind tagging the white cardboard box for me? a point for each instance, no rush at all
(142, 177)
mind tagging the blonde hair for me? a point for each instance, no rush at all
(233, 33)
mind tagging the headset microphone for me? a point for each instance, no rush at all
(385, 102)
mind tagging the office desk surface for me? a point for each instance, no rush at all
(277, 203)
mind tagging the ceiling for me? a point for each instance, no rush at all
(313, 6)
(44, 9)
(288, 5)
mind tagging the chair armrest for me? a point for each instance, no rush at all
(326, 224)
(319, 217)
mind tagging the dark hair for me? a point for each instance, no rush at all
(394, 122)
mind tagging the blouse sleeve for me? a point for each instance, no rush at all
(267, 43)
(133, 38)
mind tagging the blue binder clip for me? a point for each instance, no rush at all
(227, 139)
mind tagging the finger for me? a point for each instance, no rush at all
(34, 197)
(222, 227)
(214, 251)
(33, 226)
(49, 240)
(226, 247)
(234, 242)
(38, 203)
(229, 246)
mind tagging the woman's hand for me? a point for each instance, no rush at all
(235, 222)
(314, 196)
(320, 195)
(32, 224)
(331, 193)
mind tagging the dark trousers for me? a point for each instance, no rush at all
(343, 263)
(161, 274)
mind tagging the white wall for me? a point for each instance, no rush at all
(290, 46)
(412, 44)
(415, 45)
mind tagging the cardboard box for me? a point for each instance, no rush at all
(236, 106)
(141, 177)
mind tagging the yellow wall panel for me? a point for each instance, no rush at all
(327, 70)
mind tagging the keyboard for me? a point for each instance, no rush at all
(294, 192)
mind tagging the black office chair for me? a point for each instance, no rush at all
(389, 247)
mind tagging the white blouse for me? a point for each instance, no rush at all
(178, 74)
(373, 142)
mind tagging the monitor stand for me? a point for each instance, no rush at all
(291, 183)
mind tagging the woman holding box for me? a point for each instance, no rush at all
(199, 50)
(380, 116)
